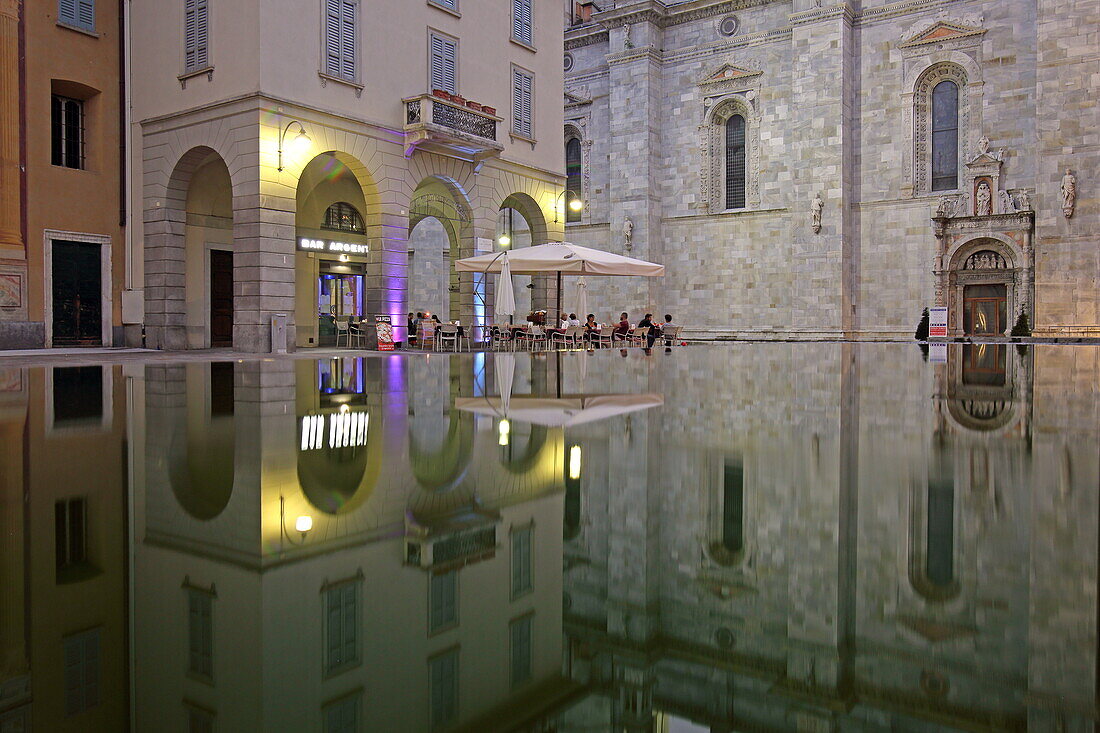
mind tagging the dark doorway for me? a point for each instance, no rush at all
(984, 309)
(77, 294)
(221, 298)
(77, 395)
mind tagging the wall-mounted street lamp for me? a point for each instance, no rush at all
(303, 524)
(298, 144)
(574, 202)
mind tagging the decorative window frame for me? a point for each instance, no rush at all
(941, 51)
(577, 128)
(712, 149)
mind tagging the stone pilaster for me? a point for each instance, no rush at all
(263, 268)
(11, 240)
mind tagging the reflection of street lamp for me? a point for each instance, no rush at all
(503, 431)
(575, 203)
(300, 142)
(302, 524)
(575, 462)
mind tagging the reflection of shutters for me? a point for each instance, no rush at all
(340, 38)
(341, 645)
(195, 36)
(521, 20)
(522, 84)
(443, 63)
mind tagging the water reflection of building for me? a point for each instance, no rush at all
(815, 544)
(62, 486)
(391, 611)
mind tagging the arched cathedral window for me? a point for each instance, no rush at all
(735, 162)
(730, 150)
(945, 113)
(945, 136)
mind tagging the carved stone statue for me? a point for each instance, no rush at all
(1007, 207)
(628, 233)
(1023, 201)
(627, 43)
(816, 207)
(1069, 193)
(946, 207)
(983, 201)
(983, 145)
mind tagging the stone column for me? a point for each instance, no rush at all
(824, 297)
(635, 108)
(165, 268)
(11, 240)
(388, 269)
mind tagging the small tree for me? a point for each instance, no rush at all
(1022, 328)
(922, 327)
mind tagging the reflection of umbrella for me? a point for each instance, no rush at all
(582, 299)
(506, 298)
(561, 412)
(506, 370)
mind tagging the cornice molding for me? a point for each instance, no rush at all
(652, 53)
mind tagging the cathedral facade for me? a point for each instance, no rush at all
(815, 170)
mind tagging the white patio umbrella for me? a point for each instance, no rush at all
(563, 412)
(561, 257)
(506, 296)
(506, 371)
(582, 299)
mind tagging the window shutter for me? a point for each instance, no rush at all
(332, 37)
(349, 624)
(66, 11)
(521, 20)
(334, 631)
(443, 63)
(85, 14)
(201, 40)
(521, 103)
(347, 40)
(195, 34)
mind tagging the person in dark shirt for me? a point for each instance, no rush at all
(622, 328)
(412, 324)
(654, 330)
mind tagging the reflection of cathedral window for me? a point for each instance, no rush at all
(733, 508)
(932, 532)
(343, 217)
(940, 550)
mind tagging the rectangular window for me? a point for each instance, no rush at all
(521, 21)
(444, 63)
(519, 632)
(340, 38)
(67, 132)
(77, 13)
(81, 671)
(522, 88)
(195, 25)
(443, 599)
(521, 561)
(70, 534)
(443, 679)
(342, 716)
(341, 632)
(449, 4)
(200, 633)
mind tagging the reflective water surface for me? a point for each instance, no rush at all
(805, 537)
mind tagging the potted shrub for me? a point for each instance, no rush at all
(1022, 329)
(922, 327)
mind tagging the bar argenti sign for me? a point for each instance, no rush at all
(305, 244)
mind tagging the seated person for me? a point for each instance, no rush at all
(667, 325)
(573, 320)
(654, 329)
(622, 328)
(591, 328)
(411, 326)
(563, 322)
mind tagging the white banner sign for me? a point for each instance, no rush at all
(937, 321)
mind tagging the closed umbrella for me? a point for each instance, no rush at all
(506, 297)
(506, 371)
(582, 299)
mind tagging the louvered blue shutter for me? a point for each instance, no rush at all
(66, 11)
(335, 631)
(332, 37)
(195, 35)
(521, 20)
(349, 626)
(443, 64)
(521, 103)
(85, 14)
(347, 39)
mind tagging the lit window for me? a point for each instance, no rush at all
(521, 561)
(521, 21)
(77, 13)
(343, 217)
(945, 136)
(195, 35)
(522, 89)
(81, 657)
(67, 132)
(340, 38)
(735, 162)
(341, 626)
(519, 632)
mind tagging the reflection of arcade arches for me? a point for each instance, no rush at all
(444, 469)
(981, 415)
(202, 452)
(532, 452)
(339, 480)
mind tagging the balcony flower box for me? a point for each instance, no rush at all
(458, 100)
(441, 94)
(474, 105)
(488, 110)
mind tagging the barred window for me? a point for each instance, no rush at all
(735, 162)
(945, 136)
(343, 217)
(67, 132)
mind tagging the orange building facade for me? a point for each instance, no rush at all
(62, 219)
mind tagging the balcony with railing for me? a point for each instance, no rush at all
(450, 125)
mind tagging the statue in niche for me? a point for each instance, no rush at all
(627, 43)
(1007, 207)
(946, 207)
(1069, 193)
(628, 233)
(816, 207)
(983, 201)
(1023, 201)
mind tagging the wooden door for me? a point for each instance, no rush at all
(984, 309)
(221, 298)
(77, 294)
